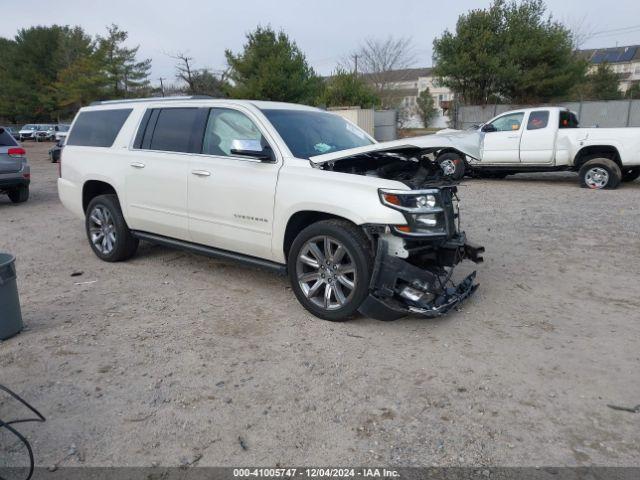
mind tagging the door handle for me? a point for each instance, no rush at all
(513, 136)
(137, 164)
(201, 173)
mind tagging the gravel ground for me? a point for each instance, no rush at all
(172, 358)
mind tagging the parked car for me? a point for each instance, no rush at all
(357, 225)
(61, 131)
(12, 132)
(45, 133)
(55, 151)
(546, 139)
(15, 174)
(28, 132)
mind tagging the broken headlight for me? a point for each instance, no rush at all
(428, 212)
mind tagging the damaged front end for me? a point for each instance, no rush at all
(414, 262)
(415, 277)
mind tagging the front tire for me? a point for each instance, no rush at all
(630, 174)
(108, 233)
(19, 194)
(452, 165)
(600, 173)
(330, 264)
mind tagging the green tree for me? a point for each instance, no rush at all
(126, 75)
(272, 67)
(344, 89)
(633, 91)
(47, 73)
(426, 107)
(512, 50)
(602, 84)
(8, 105)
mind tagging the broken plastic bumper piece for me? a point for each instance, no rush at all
(399, 288)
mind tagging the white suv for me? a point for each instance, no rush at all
(357, 225)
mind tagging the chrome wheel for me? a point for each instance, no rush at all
(326, 272)
(448, 167)
(102, 230)
(596, 177)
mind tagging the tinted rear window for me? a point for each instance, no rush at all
(568, 120)
(98, 128)
(173, 129)
(6, 140)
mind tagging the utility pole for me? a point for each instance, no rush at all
(355, 58)
(161, 86)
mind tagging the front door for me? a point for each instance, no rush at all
(501, 142)
(231, 197)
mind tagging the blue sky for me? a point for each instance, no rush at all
(326, 30)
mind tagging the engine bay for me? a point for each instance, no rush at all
(416, 168)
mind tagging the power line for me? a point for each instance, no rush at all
(632, 27)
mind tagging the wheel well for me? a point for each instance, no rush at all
(92, 189)
(450, 150)
(301, 220)
(597, 151)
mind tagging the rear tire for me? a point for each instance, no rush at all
(600, 173)
(629, 174)
(107, 231)
(330, 280)
(452, 165)
(19, 194)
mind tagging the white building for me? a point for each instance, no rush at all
(625, 61)
(407, 84)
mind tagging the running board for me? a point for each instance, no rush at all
(211, 252)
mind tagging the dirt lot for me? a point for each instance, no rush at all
(173, 358)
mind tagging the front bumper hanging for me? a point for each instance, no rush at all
(399, 288)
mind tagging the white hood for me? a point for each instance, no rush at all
(465, 142)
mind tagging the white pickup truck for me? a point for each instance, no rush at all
(545, 139)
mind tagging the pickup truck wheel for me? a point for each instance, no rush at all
(452, 165)
(630, 174)
(600, 173)
(329, 268)
(107, 231)
(19, 194)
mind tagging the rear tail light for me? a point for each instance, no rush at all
(17, 152)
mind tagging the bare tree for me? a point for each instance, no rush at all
(581, 30)
(199, 81)
(382, 61)
(184, 69)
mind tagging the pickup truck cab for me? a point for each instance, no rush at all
(358, 226)
(549, 139)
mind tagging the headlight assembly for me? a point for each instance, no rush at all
(427, 211)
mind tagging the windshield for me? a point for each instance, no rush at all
(63, 128)
(308, 133)
(29, 127)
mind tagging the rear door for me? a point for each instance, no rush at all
(538, 142)
(156, 179)
(501, 142)
(8, 163)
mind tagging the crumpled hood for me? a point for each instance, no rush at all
(465, 142)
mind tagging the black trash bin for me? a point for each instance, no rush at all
(10, 316)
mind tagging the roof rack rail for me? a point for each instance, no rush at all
(151, 99)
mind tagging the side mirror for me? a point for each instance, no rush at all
(252, 148)
(489, 128)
